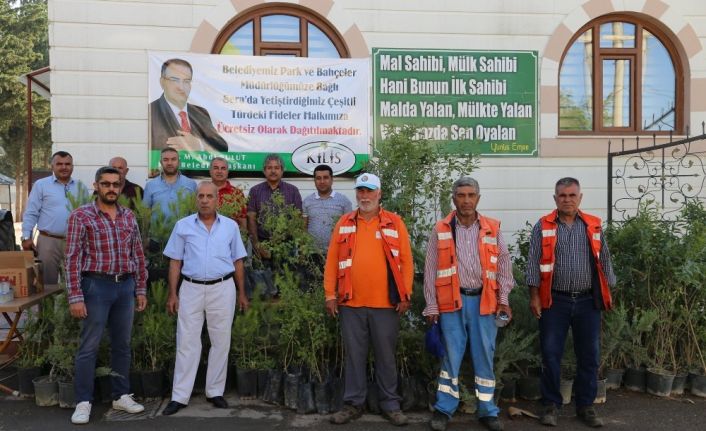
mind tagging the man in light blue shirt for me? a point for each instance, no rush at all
(323, 208)
(48, 209)
(206, 251)
(169, 186)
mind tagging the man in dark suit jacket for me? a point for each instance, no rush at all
(177, 124)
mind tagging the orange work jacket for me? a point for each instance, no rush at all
(601, 293)
(389, 233)
(448, 287)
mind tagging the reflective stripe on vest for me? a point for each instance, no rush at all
(345, 264)
(546, 268)
(490, 240)
(443, 236)
(548, 232)
(346, 229)
(490, 275)
(390, 232)
(446, 272)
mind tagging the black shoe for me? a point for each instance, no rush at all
(589, 416)
(218, 402)
(172, 408)
(492, 423)
(549, 416)
(439, 421)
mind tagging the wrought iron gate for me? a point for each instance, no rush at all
(670, 175)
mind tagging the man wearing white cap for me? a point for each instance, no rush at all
(368, 281)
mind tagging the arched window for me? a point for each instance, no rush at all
(280, 29)
(620, 74)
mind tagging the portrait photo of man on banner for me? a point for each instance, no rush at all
(307, 110)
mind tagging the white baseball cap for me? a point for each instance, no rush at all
(369, 181)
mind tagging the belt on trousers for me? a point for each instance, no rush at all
(117, 278)
(471, 291)
(214, 281)
(573, 295)
(51, 235)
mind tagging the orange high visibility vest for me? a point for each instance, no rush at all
(390, 244)
(546, 262)
(448, 287)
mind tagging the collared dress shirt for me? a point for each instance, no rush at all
(468, 265)
(573, 264)
(323, 213)
(259, 199)
(48, 206)
(206, 255)
(160, 193)
(97, 243)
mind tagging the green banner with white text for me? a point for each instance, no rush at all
(468, 101)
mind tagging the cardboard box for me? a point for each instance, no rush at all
(18, 268)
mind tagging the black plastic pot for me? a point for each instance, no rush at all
(528, 388)
(231, 377)
(291, 390)
(322, 397)
(262, 379)
(337, 391)
(152, 383)
(305, 398)
(659, 382)
(273, 393)
(247, 383)
(102, 389)
(373, 399)
(46, 391)
(614, 378)
(407, 389)
(698, 385)
(422, 395)
(136, 384)
(200, 381)
(496, 393)
(67, 395)
(509, 391)
(634, 379)
(25, 377)
(679, 383)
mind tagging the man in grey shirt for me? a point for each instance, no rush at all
(569, 274)
(323, 208)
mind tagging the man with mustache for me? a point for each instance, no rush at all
(368, 282)
(569, 274)
(48, 209)
(207, 253)
(106, 281)
(169, 186)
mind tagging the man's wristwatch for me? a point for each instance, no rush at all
(25, 238)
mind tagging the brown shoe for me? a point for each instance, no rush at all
(348, 413)
(549, 416)
(396, 417)
(589, 416)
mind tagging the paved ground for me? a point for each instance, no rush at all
(623, 411)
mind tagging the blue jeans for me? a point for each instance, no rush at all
(113, 304)
(585, 322)
(458, 328)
